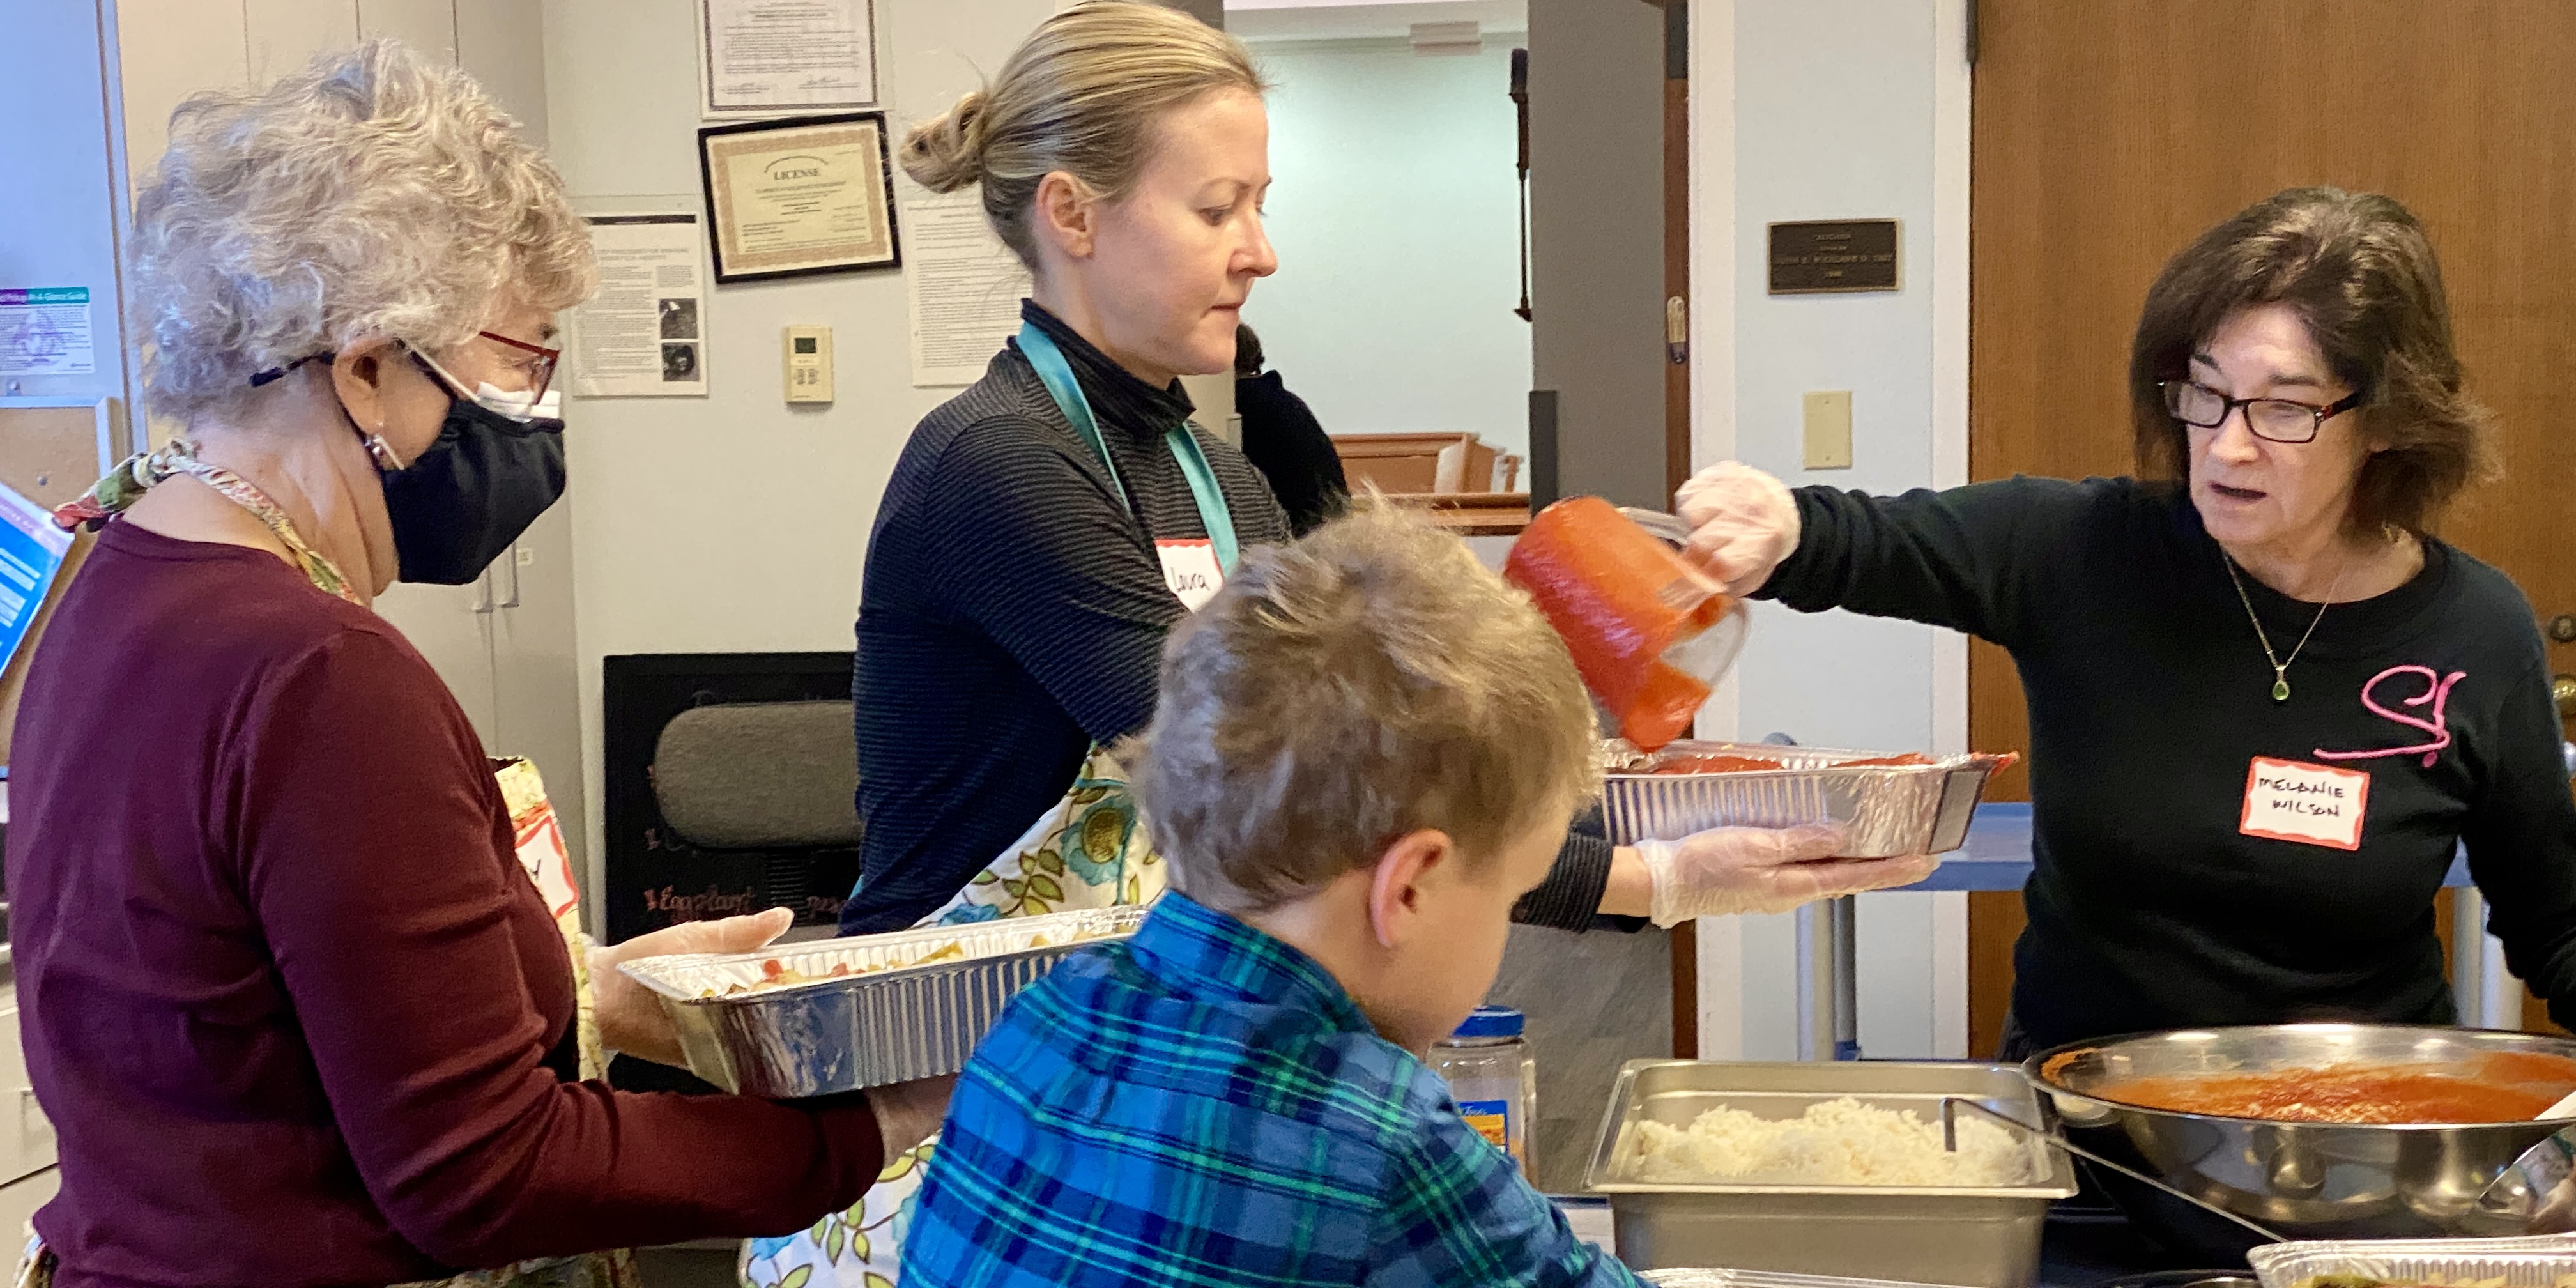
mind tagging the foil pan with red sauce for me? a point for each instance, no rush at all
(1887, 805)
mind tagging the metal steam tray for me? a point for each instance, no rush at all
(2538, 1262)
(1931, 1234)
(902, 1020)
(1885, 810)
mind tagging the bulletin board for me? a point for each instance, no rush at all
(51, 450)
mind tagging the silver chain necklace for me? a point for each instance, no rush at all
(2280, 666)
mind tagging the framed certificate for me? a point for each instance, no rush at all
(814, 194)
(768, 57)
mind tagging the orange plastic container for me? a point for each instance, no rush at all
(1649, 637)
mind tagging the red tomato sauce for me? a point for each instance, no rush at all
(1714, 764)
(2506, 1087)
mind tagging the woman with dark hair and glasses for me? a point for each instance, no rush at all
(2266, 705)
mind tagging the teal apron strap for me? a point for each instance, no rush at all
(1057, 375)
(1213, 514)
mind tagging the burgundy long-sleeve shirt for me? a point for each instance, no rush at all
(297, 1015)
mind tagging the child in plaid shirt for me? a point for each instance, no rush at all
(1365, 749)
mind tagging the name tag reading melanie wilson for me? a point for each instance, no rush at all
(2292, 800)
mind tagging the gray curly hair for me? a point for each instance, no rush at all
(374, 193)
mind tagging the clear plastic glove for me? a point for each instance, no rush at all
(631, 1018)
(1743, 523)
(1730, 870)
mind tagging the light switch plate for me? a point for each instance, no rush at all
(808, 354)
(1828, 429)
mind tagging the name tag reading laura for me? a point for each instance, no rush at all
(2291, 800)
(1190, 569)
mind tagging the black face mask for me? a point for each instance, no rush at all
(479, 486)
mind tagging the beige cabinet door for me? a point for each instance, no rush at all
(536, 674)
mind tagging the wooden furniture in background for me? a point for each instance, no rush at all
(1451, 477)
(1471, 514)
(1453, 462)
(2089, 172)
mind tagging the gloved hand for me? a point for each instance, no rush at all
(1743, 523)
(631, 1018)
(1730, 870)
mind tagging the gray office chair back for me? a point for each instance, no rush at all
(759, 776)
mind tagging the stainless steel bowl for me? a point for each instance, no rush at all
(2305, 1180)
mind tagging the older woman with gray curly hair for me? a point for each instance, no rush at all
(298, 1015)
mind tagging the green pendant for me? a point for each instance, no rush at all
(2280, 690)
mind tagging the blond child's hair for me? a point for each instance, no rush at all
(1369, 681)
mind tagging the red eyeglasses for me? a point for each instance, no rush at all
(538, 365)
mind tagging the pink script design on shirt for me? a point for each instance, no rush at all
(2437, 693)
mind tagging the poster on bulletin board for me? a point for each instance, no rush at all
(44, 331)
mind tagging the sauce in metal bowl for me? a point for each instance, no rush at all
(2498, 1087)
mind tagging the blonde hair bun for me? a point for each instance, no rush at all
(946, 152)
(1084, 95)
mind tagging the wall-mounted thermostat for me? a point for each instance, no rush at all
(809, 364)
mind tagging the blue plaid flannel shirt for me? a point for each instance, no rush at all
(1205, 1105)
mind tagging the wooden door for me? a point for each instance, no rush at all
(1677, 418)
(2109, 133)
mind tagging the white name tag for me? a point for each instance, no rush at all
(1190, 569)
(2291, 800)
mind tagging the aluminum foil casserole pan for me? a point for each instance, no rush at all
(2547, 1262)
(844, 1014)
(1888, 805)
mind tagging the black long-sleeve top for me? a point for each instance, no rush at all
(1013, 614)
(1283, 438)
(2149, 699)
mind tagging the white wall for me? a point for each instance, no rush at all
(1395, 212)
(733, 523)
(1822, 110)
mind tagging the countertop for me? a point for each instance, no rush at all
(1997, 855)
(2089, 1247)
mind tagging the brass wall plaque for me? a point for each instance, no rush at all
(1833, 255)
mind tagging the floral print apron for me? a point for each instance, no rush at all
(1087, 851)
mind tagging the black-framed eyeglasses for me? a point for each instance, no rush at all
(2279, 420)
